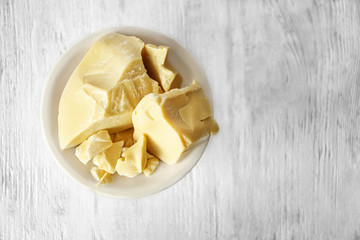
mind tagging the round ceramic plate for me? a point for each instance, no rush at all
(165, 175)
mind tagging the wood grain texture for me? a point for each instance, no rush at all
(285, 77)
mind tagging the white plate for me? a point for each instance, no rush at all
(123, 187)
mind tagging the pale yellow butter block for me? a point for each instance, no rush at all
(133, 160)
(100, 175)
(124, 96)
(154, 59)
(151, 164)
(126, 167)
(94, 145)
(107, 159)
(137, 153)
(172, 121)
(104, 89)
(148, 155)
(126, 136)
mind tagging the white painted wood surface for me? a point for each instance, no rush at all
(285, 76)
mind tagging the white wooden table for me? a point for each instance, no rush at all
(285, 77)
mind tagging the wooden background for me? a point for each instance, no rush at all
(285, 77)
